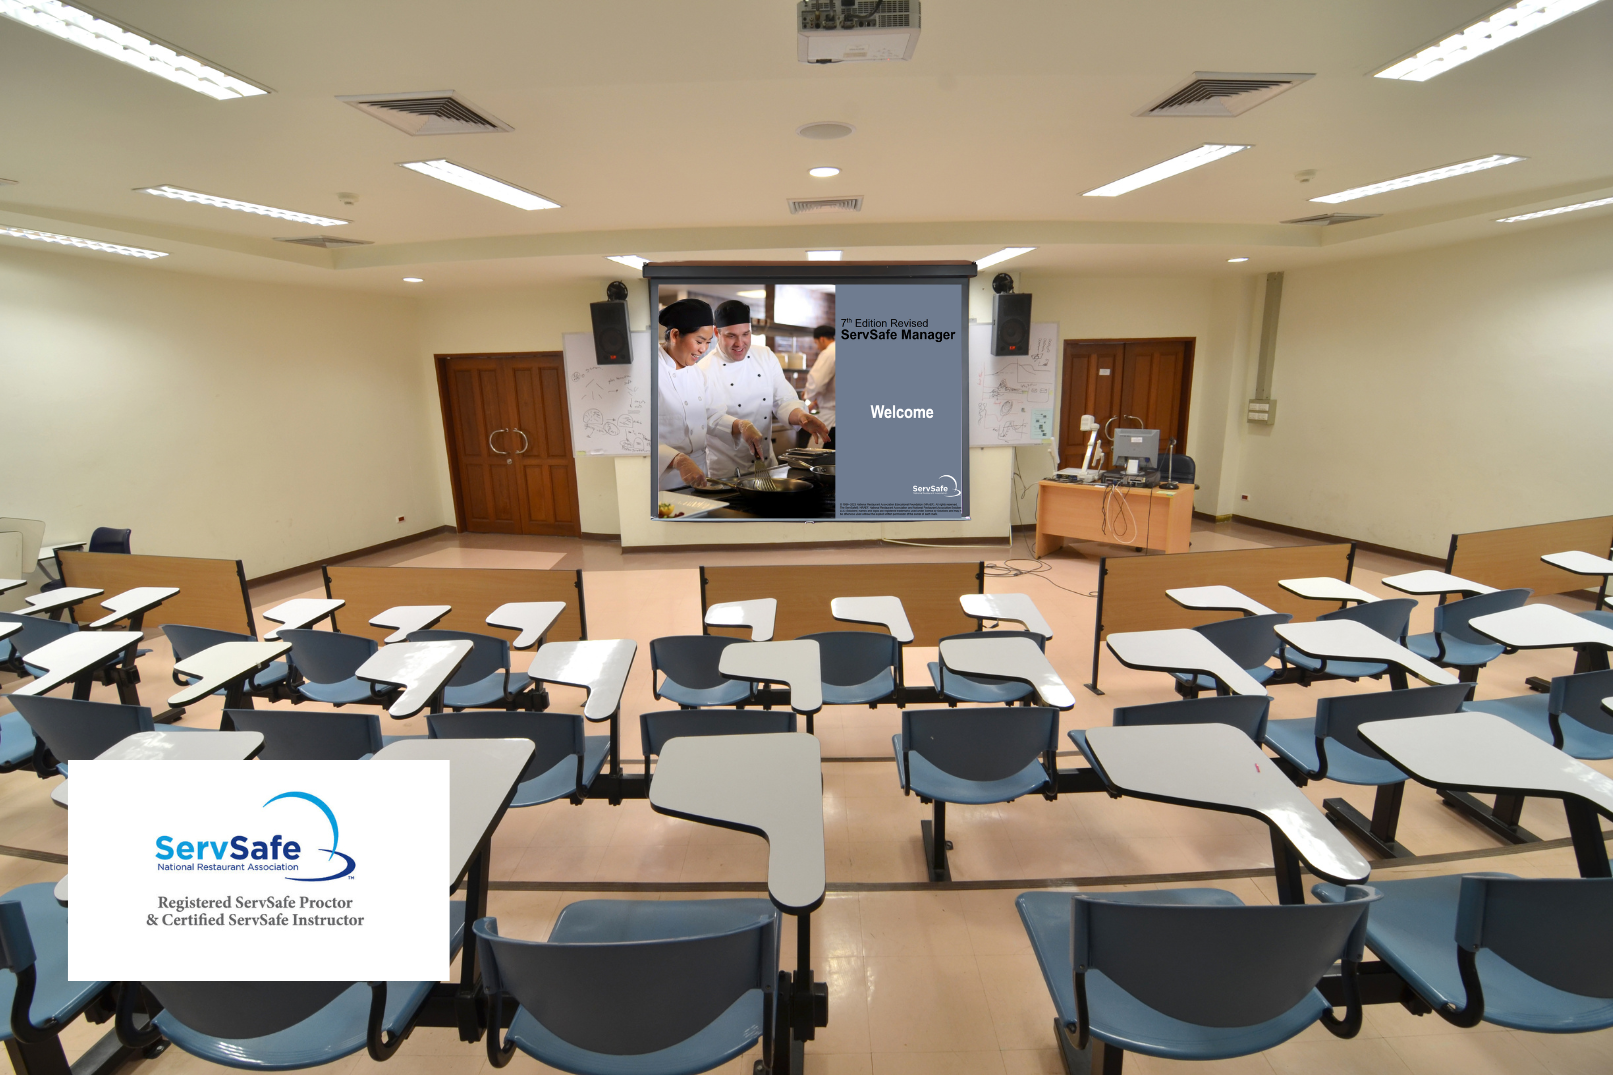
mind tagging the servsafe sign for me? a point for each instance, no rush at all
(258, 871)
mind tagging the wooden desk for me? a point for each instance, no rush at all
(1164, 517)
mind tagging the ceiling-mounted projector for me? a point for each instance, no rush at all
(849, 31)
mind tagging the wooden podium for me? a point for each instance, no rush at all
(1159, 519)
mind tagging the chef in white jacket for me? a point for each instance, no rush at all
(691, 406)
(820, 386)
(752, 380)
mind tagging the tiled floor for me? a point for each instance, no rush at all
(920, 979)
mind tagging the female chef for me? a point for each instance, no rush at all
(692, 408)
(757, 391)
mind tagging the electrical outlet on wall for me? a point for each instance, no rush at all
(1244, 496)
(400, 518)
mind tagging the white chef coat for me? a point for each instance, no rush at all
(757, 391)
(691, 407)
(820, 386)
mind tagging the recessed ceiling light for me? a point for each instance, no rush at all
(824, 130)
(757, 293)
(413, 280)
(823, 173)
(477, 183)
(632, 261)
(1002, 255)
(180, 194)
(1234, 261)
(1576, 207)
(1486, 35)
(127, 46)
(1418, 178)
(823, 255)
(86, 244)
(1165, 169)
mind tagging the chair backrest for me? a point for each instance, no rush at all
(1340, 717)
(487, 655)
(189, 641)
(1217, 966)
(309, 734)
(36, 631)
(1177, 468)
(327, 656)
(33, 536)
(109, 539)
(1247, 713)
(243, 1009)
(1389, 618)
(690, 660)
(630, 997)
(1249, 640)
(1451, 618)
(16, 943)
(656, 728)
(74, 730)
(1041, 642)
(848, 658)
(1557, 930)
(1580, 696)
(555, 736)
(984, 743)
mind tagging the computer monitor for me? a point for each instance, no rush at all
(1139, 444)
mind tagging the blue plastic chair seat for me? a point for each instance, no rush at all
(560, 779)
(1260, 674)
(1605, 618)
(345, 692)
(1413, 929)
(1120, 1018)
(1295, 741)
(54, 996)
(933, 783)
(488, 691)
(881, 686)
(724, 694)
(1532, 713)
(16, 740)
(336, 1030)
(272, 676)
(1342, 669)
(1458, 654)
(962, 688)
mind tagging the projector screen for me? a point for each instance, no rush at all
(740, 407)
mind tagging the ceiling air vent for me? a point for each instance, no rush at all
(1220, 93)
(1325, 219)
(329, 242)
(827, 205)
(431, 112)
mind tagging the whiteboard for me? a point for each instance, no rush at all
(609, 405)
(1011, 397)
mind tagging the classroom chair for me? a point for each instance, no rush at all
(1190, 973)
(1530, 954)
(39, 630)
(647, 987)
(563, 763)
(1251, 641)
(1329, 746)
(1604, 617)
(858, 667)
(73, 730)
(1245, 712)
(1178, 468)
(1454, 644)
(1389, 618)
(956, 687)
(323, 663)
(973, 756)
(278, 1026)
(103, 539)
(35, 995)
(656, 728)
(1570, 717)
(484, 680)
(312, 735)
(687, 665)
(188, 641)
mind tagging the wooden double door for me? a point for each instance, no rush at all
(1150, 380)
(509, 443)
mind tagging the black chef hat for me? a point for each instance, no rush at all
(733, 312)
(686, 315)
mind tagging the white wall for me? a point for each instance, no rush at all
(267, 423)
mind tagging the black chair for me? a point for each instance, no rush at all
(1178, 468)
(109, 539)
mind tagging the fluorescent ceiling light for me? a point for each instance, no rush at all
(1165, 169)
(1002, 255)
(477, 183)
(413, 280)
(126, 46)
(1418, 178)
(1234, 261)
(1486, 35)
(823, 255)
(823, 173)
(758, 293)
(1576, 207)
(632, 261)
(180, 194)
(86, 244)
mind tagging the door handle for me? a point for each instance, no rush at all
(490, 443)
(525, 444)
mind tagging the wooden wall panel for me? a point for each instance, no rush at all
(212, 593)
(929, 593)
(1511, 557)
(474, 592)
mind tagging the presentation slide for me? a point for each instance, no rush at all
(811, 397)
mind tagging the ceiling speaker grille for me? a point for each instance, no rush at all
(1325, 219)
(432, 112)
(328, 242)
(826, 205)
(1220, 93)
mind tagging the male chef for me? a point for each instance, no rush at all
(820, 386)
(758, 394)
(692, 414)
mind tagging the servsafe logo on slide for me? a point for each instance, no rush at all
(947, 486)
(277, 854)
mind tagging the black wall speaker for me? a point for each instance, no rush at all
(1010, 324)
(611, 344)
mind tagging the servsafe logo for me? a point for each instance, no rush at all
(948, 486)
(276, 854)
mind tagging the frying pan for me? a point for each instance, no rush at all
(770, 490)
(824, 475)
(806, 458)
